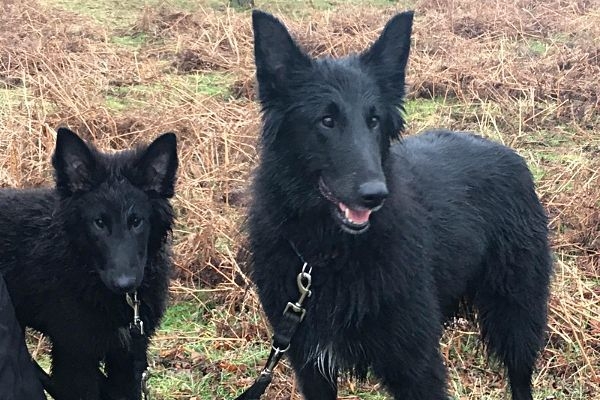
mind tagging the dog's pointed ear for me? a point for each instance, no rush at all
(74, 163)
(388, 56)
(157, 166)
(276, 54)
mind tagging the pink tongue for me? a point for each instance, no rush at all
(358, 216)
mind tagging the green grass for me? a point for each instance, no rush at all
(12, 97)
(210, 84)
(557, 137)
(295, 6)
(134, 41)
(301, 9)
(191, 327)
(423, 114)
(171, 88)
(537, 47)
(116, 103)
(121, 98)
(105, 12)
(118, 13)
(182, 319)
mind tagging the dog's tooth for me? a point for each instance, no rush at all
(346, 214)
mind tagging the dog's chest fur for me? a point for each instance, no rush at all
(356, 291)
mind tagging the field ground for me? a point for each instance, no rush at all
(522, 72)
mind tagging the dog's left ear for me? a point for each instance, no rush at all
(388, 56)
(157, 167)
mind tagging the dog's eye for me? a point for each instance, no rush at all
(373, 122)
(99, 223)
(135, 222)
(328, 122)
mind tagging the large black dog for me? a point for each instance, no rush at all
(398, 236)
(70, 254)
(18, 378)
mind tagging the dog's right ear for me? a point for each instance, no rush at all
(276, 54)
(73, 162)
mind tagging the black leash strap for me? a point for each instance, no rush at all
(293, 314)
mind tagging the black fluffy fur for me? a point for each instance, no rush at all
(461, 222)
(52, 256)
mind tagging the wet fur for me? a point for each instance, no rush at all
(56, 290)
(462, 223)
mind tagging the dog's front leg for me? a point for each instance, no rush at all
(312, 382)
(75, 374)
(122, 382)
(408, 363)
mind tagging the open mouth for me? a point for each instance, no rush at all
(353, 219)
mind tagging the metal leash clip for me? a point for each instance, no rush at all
(135, 305)
(303, 281)
(274, 359)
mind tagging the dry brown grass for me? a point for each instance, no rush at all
(523, 72)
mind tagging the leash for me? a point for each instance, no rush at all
(293, 315)
(138, 345)
(140, 358)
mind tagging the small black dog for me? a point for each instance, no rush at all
(461, 222)
(70, 254)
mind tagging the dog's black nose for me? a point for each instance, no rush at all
(373, 193)
(124, 283)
